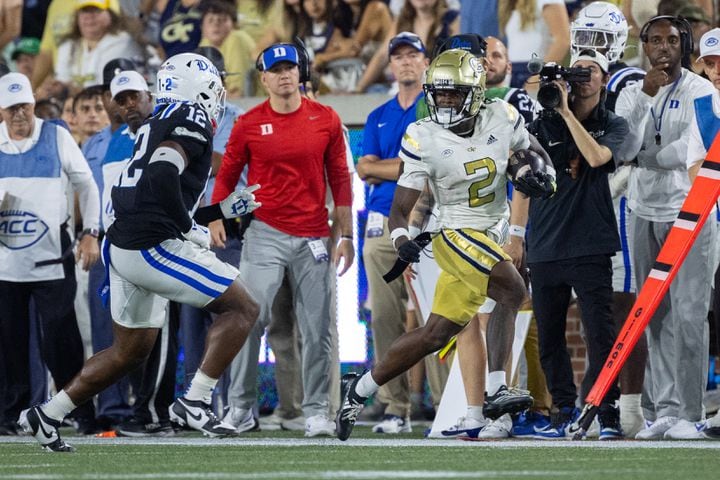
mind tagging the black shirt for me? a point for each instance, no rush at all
(140, 219)
(579, 219)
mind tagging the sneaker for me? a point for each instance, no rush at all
(506, 400)
(296, 424)
(319, 425)
(712, 427)
(610, 428)
(243, 419)
(528, 423)
(498, 428)
(44, 429)
(657, 429)
(351, 407)
(134, 427)
(198, 415)
(85, 425)
(393, 424)
(465, 427)
(559, 423)
(271, 422)
(686, 430)
(8, 429)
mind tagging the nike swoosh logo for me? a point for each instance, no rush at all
(380, 125)
(197, 417)
(552, 144)
(50, 435)
(700, 427)
(314, 117)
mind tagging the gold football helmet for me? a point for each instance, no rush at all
(459, 72)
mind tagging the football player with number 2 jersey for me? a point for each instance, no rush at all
(462, 149)
(156, 250)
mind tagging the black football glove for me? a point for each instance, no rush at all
(536, 185)
(409, 252)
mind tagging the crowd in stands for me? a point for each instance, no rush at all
(70, 50)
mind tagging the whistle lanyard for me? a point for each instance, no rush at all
(657, 121)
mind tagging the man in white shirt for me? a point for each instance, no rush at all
(659, 111)
(37, 161)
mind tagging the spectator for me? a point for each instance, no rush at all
(179, 26)
(70, 119)
(431, 20)
(48, 109)
(97, 36)
(700, 24)
(293, 21)
(255, 17)
(40, 267)
(537, 27)
(565, 255)
(10, 21)
(379, 167)
(499, 67)
(659, 111)
(371, 22)
(218, 30)
(24, 53)
(479, 17)
(289, 237)
(90, 114)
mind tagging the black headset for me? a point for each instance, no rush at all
(686, 39)
(303, 58)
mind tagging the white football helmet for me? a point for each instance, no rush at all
(600, 26)
(189, 77)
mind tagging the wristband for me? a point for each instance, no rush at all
(517, 231)
(345, 237)
(397, 233)
(414, 231)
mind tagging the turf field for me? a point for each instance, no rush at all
(287, 455)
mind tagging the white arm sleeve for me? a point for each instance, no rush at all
(78, 171)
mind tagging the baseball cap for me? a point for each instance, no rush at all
(27, 45)
(128, 80)
(215, 57)
(406, 38)
(592, 56)
(14, 89)
(275, 54)
(101, 4)
(710, 43)
(115, 66)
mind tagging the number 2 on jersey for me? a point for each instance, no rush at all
(131, 175)
(476, 188)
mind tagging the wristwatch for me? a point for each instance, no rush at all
(93, 232)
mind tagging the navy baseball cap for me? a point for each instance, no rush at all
(406, 38)
(282, 52)
(115, 66)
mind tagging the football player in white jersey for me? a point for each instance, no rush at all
(462, 149)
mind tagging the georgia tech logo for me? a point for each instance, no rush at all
(20, 229)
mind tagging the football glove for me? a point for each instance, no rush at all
(199, 235)
(240, 203)
(536, 185)
(409, 252)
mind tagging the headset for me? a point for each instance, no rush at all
(303, 58)
(686, 39)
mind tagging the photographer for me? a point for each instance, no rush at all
(574, 233)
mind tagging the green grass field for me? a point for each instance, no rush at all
(287, 455)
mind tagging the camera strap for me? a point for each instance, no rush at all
(657, 121)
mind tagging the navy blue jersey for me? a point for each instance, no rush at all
(141, 221)
(621, 76)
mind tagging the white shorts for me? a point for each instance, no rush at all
(623, 278)
(177, 270)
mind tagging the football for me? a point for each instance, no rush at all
(523, 161)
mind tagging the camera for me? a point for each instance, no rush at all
(549, 94)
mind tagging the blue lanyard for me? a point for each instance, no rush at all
(657, 121)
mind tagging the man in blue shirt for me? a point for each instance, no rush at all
(379, 167)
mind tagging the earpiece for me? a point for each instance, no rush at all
(303, 57)
(686, 40)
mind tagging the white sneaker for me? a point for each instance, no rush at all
(498, 428)
(271, 422)
(393, 424)
(631, 422)
(296, 424)
(594, 430)
(465, 427)
(656, 430)
(319, 425)
(686, 430)
(242, 419)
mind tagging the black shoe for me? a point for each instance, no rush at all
(8, 429)
(199, 416)
(505, 401)
(85, 425)
(44, 429)
(135, 427)
(609, 419)
(351, 406)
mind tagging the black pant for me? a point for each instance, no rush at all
(157, 387)
(61, 346)
(591, 278)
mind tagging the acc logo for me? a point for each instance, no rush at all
(14, 88)
(20, 229)
(711, 42)
(123, 80)
(447, 152)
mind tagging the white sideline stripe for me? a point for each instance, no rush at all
(658, 274)
(685, 224)
(364, 442)
(351, 474)
(709, 173)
